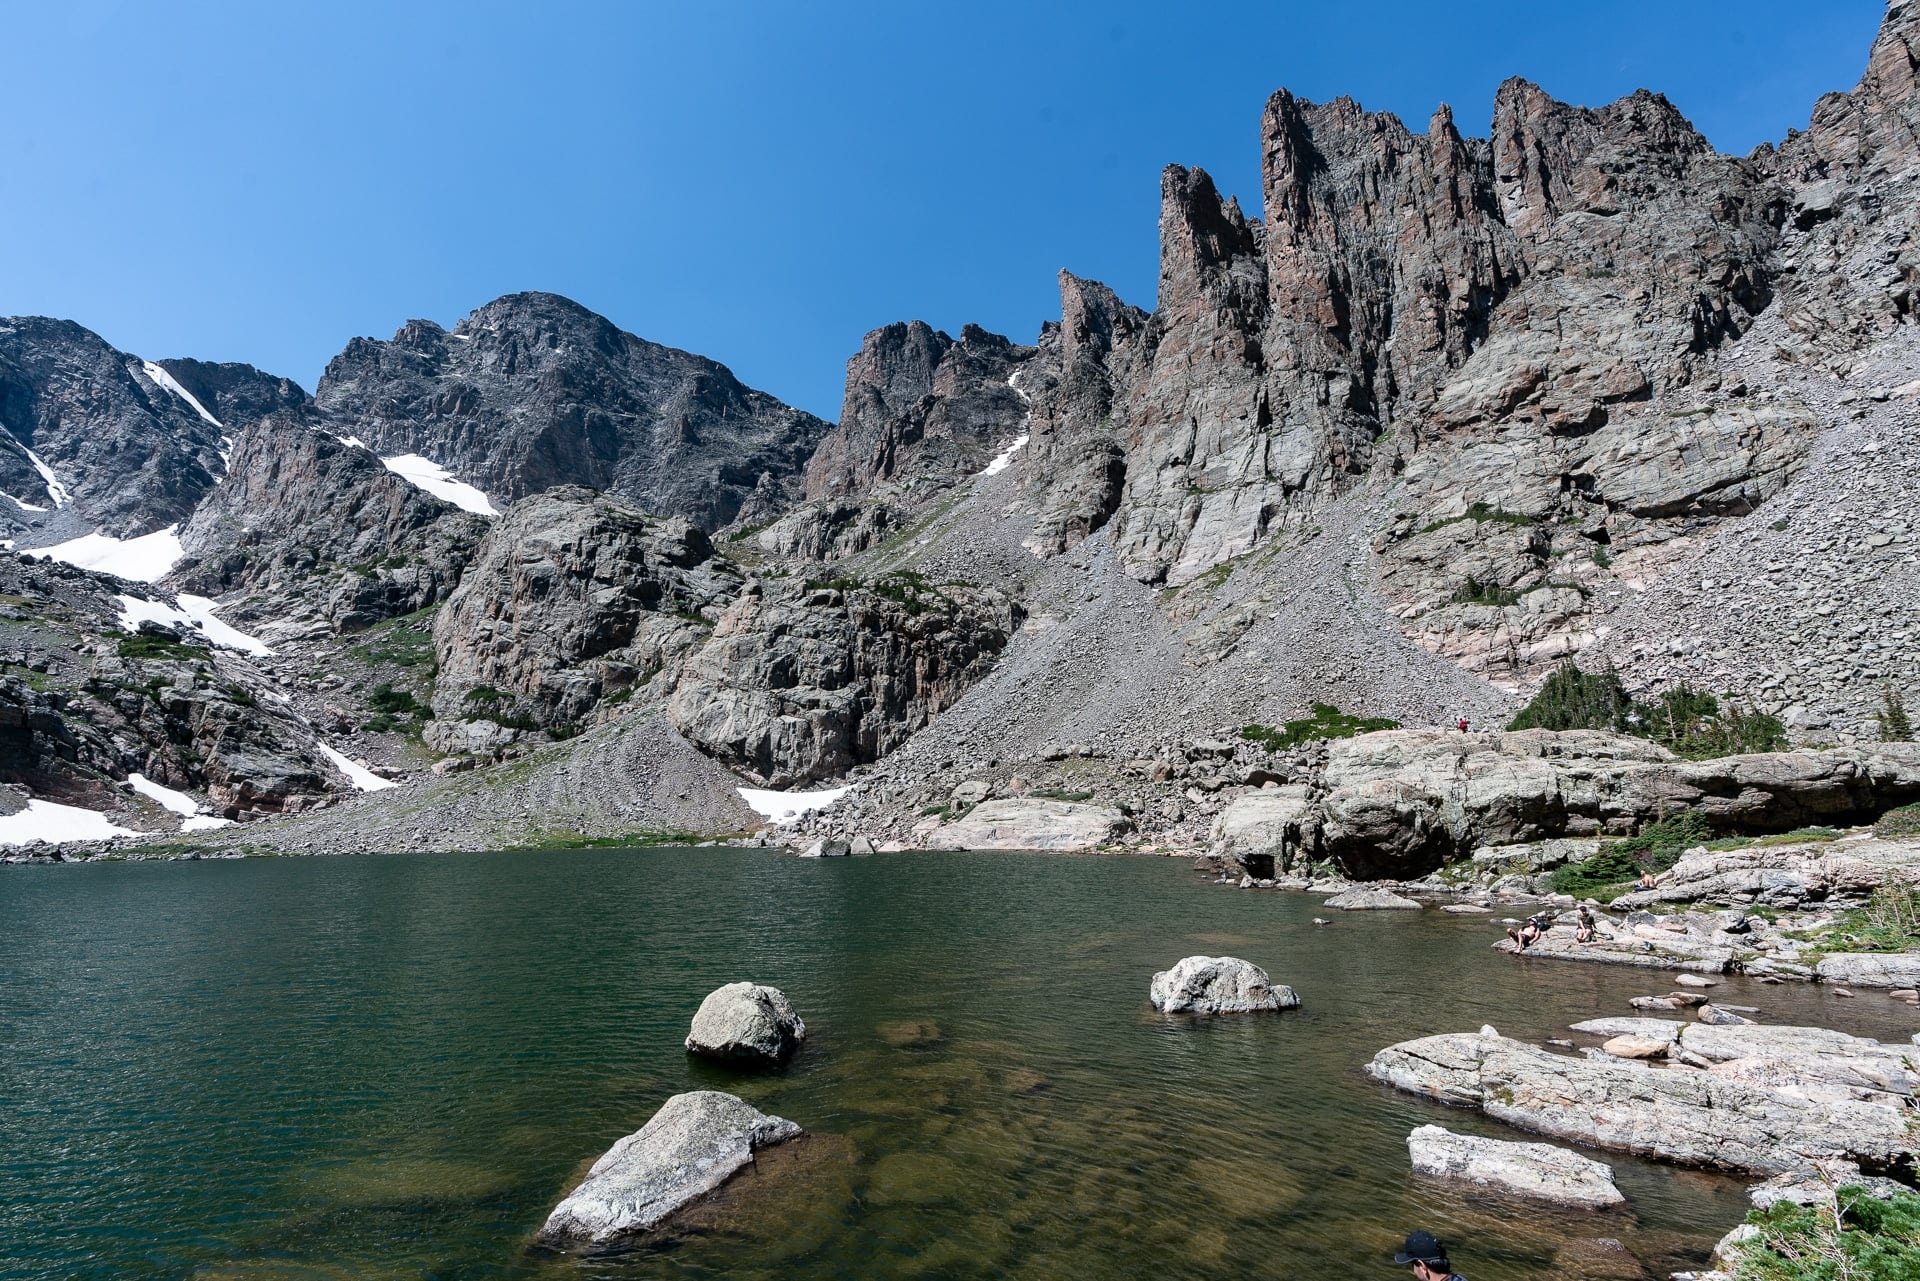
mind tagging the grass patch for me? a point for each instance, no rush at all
(1856, 1237)
(1327, 722)
(1482, 513)
(1059, 794)
(1890, 922)
(405, 642)
(1655, 848)
(1904, 821)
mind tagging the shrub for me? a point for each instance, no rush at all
(1895, 725)
(1475, 592)
(389, 701)
(1573, 699)
(1655, 848)
(1327, 722)
(1855, 1237)
(1904, 821)
(147, 645)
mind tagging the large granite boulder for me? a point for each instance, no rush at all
(693, 1144)
(1689, 1116)
(748, 1022)
(1786, 876)
(1538, 1171)
(1218, 985)
(1031, 823)
(1871, 969)
(802, 681)
(1261, 831)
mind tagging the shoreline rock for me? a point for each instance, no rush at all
(1539, 1171)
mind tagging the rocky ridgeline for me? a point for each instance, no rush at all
(1451, 409)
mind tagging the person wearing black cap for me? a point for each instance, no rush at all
(1428, 1256)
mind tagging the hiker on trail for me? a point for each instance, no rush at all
(1428, 1257)
(1531, 929)
(1463, 724)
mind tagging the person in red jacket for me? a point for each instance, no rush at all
(1463, 724)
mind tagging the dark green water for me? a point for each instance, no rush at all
(392, 1067)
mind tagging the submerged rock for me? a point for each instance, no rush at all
(748, 1021)
(693, 1144)
(1537, 1170)
(1218, 985)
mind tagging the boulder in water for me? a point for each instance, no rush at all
(1368, 898)
(693, 1144)
(1218, 985)
(1536, 1170)
(746, 1021)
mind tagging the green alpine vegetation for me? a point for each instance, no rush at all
(1327, 722)
(1687, 722)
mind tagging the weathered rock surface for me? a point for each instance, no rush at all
(693, 1144)
(748, 1022)
(1027, 823)
(312, 528)
(1785, 875)
(1538, 1171)
(573, 598)
(1362, 898)
(1262, 831)
(1871, 969)
(532, 391)
(1693, 1117)
(1218, 985)
(802, 681)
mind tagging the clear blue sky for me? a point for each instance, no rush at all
(761, 183)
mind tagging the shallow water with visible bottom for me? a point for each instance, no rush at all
(394, 1066)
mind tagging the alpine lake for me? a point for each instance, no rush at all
(394, 1066)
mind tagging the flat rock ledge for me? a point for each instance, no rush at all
(1870, 969)
(1365, 898)
(746, 1022)
(693, 1144)
(1781, 1105)
(1024, 823)
(1539, 1171)
(1218, 985)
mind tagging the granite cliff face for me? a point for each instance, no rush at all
(533, 391)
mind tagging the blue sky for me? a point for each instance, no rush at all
(760, 183)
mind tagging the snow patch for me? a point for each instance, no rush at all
(55, 490)
(424, 473)
(22, 503)
(785, 807)
(195, 612)
(1003, 459)
(48, 821)
(355, 441)
(359, 775)
(192, 812)
(167, 381)
(144, 559)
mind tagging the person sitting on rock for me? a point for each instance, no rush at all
(1585, 927)
(1531, 929)
(1428, 1257)
(1648, 880)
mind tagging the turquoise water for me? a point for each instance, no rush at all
(393, 1067)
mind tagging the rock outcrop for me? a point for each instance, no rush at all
(1537, 1171)
(1030, 823)
(693, 1145)
(746, 1022)
(533, 391)
(1218, 985)
(1692, 1117)
(573, 599)
(1362, 898)
(802, 681)
(314, 528)
(1870, 969)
